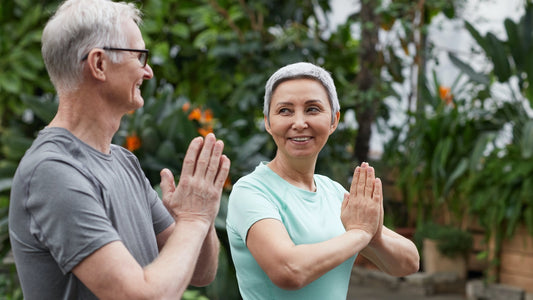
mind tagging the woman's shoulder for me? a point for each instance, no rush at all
(328, 183)
(260, 174)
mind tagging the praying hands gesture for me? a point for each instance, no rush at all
(362, 210)
(197, 196)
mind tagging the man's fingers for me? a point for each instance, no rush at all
(189, 162)
(223, 171)
(214, 161)
(205, 155)
(167, 181)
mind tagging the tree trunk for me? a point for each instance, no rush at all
(367, 78)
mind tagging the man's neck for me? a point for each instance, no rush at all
(88, 120)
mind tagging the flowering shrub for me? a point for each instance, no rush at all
(204, 119)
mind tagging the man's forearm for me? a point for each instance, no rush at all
(175, 264)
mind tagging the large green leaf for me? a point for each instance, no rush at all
(468, 70)
(480, 40)
(515, 43)
(499, 57)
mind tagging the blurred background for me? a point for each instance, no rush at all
(435, 94)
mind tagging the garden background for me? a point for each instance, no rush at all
(460, 154)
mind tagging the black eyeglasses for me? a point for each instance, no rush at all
(143, 54)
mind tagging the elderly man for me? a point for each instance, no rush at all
(84, 221)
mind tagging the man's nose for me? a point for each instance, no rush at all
(148, 72)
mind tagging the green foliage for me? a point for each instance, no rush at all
(451, 241)
(434, 150)
(9, 286)
(513, 56)
(193, 295)
(20, 56)
(500, 187)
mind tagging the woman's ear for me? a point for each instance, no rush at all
(335, 122)
(267, 125)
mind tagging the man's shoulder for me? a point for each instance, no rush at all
(54, 149)
(52, 144)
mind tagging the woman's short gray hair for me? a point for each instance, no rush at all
(76, 28)
(302, 70)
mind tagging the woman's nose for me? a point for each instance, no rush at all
(300, 121)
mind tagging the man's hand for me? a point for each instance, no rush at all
(362, 208)
(197, 196)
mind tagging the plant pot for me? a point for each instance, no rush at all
(435, 262)
(516, 260)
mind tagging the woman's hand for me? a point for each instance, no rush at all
(362, 208)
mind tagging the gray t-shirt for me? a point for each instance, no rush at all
(68, 200)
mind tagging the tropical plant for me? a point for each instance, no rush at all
(407, 48)
(498, 187)
(511, 59)
(433, 151)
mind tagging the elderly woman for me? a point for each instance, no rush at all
(295, 234)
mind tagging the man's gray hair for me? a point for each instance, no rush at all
(77, 27)
(301, 70)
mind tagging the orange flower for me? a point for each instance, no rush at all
(133, 142)
(205, 130)
(196, 114)
(227, 183)
(186, 106)
(446, 94)
(208, 115)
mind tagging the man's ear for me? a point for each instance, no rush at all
(97, 63)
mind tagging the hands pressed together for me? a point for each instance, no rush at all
(197, 196)
(362, 208)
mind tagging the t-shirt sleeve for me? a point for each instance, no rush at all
(161, 218)
(247, 205)
(67, 213)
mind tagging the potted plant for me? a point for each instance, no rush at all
(444, 248)
(500, 192)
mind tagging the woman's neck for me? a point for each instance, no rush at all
(298, 173)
